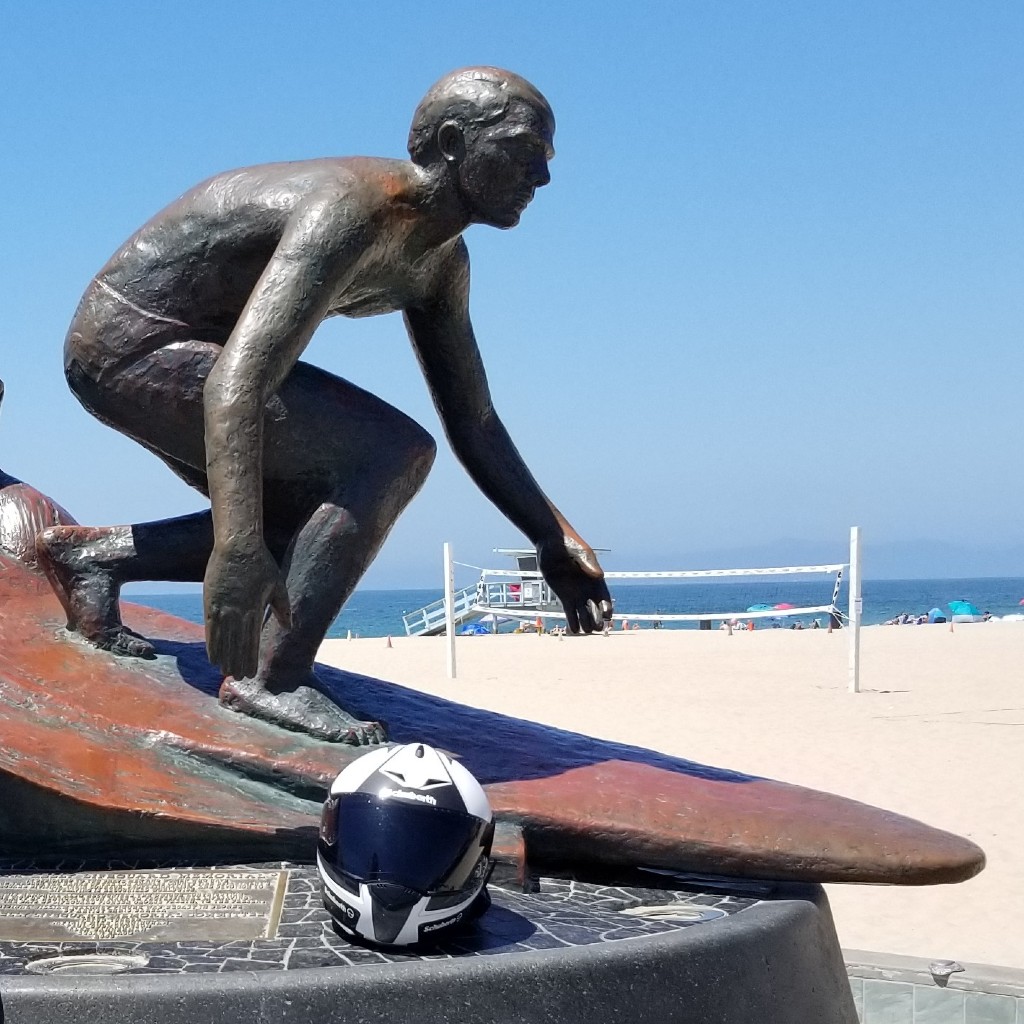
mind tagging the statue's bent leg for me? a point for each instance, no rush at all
(375, 459)
(339, 465)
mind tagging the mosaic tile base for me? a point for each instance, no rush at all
(561, 914)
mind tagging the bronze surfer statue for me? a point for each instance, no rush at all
(188, 340)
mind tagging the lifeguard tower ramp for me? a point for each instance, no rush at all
(430, 619)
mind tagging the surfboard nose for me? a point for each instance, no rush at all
(619, 813)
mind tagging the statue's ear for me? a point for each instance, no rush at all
(451, 142)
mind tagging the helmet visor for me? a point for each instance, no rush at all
(426, 848)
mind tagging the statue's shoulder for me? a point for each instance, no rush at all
(286, 183)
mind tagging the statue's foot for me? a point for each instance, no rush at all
(302, 708)
(122, 641)
(88, 593)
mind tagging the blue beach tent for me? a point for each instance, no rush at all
(936, 615)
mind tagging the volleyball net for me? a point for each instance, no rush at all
(780, 594)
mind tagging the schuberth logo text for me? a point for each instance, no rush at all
(442, 924)
(405, 794)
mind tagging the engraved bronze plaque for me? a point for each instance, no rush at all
(142, 906)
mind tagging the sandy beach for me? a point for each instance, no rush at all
(936, 733)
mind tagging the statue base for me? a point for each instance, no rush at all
(721, 951)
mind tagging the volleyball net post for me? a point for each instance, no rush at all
(856, 609)
(449, 609)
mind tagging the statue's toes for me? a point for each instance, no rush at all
(138, 647)
(364, 734)
(337, 725)
(303, 709)
(125, 644)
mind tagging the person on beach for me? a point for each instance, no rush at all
(188, 340)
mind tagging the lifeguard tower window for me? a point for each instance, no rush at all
(532, 587)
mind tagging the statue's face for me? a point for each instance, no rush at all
(504, 164)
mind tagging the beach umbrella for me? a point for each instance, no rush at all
(1021, 601)
(761, 608)
(785, 604)
(963, 608)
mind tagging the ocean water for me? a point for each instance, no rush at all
(378, 613)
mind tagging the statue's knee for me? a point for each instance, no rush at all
(428, 452)
(412, 450)
(51, 539)
(419, 456)
(75, 376)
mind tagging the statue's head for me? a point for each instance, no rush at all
(495, 134)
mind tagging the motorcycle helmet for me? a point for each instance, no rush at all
(404, 847)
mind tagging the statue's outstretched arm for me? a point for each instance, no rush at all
(289, 301)
(443, 339)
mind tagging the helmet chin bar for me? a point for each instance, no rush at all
(385, 914)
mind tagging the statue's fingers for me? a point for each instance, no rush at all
(240, 668)
(214, 643)
(583, 613)
(228, 654)
(228, 647)
(211, 650)
(249, 645)
(572, 618)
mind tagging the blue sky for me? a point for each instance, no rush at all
(773, 290)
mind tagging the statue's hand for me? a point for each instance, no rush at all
(574, 574)
(241, 581)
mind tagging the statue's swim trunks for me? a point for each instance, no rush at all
(109, 332)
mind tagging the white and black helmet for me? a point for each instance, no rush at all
(404, 847)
